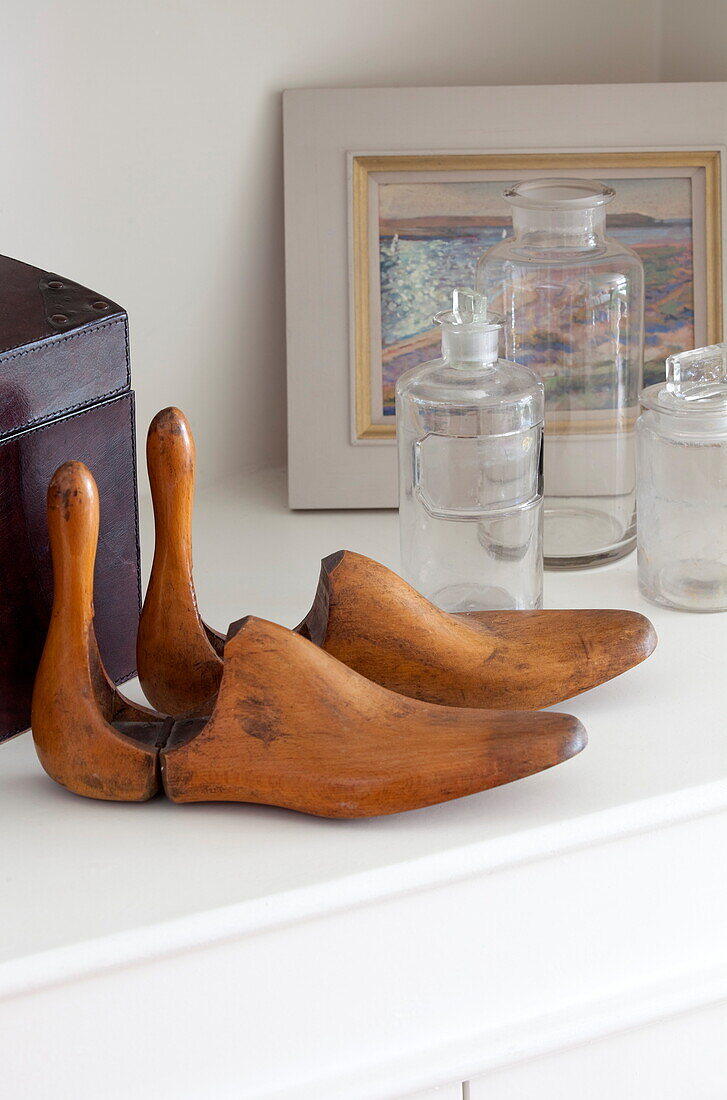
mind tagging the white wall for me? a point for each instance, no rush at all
(694, 40)
(142, 155)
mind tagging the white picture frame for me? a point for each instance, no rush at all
(328, 132)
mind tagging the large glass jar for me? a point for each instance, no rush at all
(469, 429)
(682, 497)
(573, 302)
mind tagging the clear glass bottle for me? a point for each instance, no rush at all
(682, 483)
(573, 302)
(469, 429)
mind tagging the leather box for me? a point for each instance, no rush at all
(65, 393)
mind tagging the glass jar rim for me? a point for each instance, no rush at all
(558, 194)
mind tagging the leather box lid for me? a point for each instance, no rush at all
(62, 346)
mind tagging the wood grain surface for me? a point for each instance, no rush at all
(178, 659)
(294, 727)
(74, 702)
(523, 659)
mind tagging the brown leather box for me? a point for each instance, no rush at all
(64, 394)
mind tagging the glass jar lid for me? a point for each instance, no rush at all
(558, 194)
(696, 386)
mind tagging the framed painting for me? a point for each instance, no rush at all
(393, 195)
(423, 222)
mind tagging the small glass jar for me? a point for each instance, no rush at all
(469, 429)
(573, 302)
(682, 483)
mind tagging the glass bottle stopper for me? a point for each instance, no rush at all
(470, 335)
(699, 374)
(468, 307)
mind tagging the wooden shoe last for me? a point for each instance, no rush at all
(370, 619)
(291, 725)
(81, 724)
(524, 659)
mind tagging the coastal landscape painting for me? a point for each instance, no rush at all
(431, 233)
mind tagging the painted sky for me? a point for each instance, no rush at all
(659, 197)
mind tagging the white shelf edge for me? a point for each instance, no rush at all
(580, 1023)
(75, 961)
